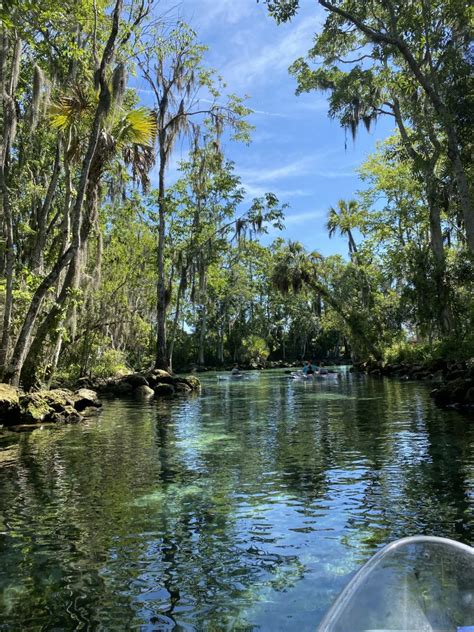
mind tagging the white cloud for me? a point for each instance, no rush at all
(301, 218)
(334, 173)
(256, 174)
(209, 13)
(262, 62)
(255, 190)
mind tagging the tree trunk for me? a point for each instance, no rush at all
(463, 188)
(8, 89)
(202, 335)
(176, 320)
(52, 320)
(42, 225)
(161, 298)
(446, 320)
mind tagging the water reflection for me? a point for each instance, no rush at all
(249, 506)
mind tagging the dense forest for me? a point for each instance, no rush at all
(107, 263)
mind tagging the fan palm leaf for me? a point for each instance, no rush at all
(136, 127)
(69, 109)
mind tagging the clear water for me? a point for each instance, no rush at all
(247, 507)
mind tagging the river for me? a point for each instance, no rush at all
(246, 507)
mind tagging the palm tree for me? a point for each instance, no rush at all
(296, 270)
(127, 135)
(344, 219)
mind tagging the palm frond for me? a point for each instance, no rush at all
(70, 108)
(138, 126)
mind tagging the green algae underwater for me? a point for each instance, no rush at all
(247, 507)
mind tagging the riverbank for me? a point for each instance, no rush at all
(22, 411)
(260, 366)
(144, 384)
(453, 380)
(19, 409)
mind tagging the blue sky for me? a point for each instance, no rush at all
(297, 152)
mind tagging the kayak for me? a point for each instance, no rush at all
(417, 584)
(238, 376)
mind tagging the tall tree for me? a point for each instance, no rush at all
(344, 219)
(181, 87)
(424, 44)
(81, 219)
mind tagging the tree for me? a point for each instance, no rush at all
(419, 49)
(295, 269)
(344, 219)
(174, 71)
(79, 206)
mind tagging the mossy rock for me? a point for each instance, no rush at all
(144, 392)
(9, 404)
(192, 381)
(135, 379)
(57, 398)
(469, 397)
(68, 415)
(84, 398)
(164, 389)
(182, 387)
(35, 408)
(122, 388)
(159, 376)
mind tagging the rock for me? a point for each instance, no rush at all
(453, 392)
(35, 408)
(421, 375)
(135, 379)
(159, 376)
(182, 387)
(9, 404)
(84, 382)
(459, 388)
(144, 392)
(456, 374)
(58, 399)
(164, 389)
(85, 397)
(68, 415)
(192, 381)
(121, 388)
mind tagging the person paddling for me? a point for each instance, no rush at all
(321, 369)
(308, 368)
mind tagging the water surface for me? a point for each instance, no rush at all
(247, 507)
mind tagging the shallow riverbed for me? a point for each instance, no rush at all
(246, 507)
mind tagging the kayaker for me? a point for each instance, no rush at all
(308, 368)
(235, 369)
(321, 369)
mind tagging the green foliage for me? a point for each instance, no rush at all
(186, 259)
(110, 363)
(413, 352)
(254, 349)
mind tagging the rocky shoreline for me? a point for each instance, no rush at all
(453, 381)
(146, 385)
(24, 411)
(19, 409)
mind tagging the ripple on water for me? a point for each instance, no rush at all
(246, 508)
